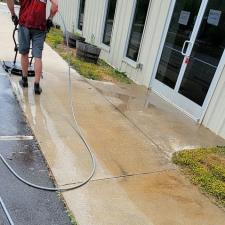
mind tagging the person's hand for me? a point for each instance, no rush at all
(49, 24)
(15, 20)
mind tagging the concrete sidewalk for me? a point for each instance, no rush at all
(133, 134)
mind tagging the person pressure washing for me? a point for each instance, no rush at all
(32, 28)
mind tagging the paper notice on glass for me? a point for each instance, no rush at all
(184, 17)
(214, 17)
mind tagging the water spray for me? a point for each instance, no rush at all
(75, 127)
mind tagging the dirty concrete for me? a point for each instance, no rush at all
(154, 117)
(133, 134)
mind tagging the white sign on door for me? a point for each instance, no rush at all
(214, 17)
(184, 17)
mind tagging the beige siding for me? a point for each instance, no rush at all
(68, 9)
(215, 115)
(94, 14)
(94, 20)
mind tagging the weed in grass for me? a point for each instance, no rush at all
(206, 168)
(72, 218)
(54, 38)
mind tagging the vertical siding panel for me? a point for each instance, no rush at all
(215, 115)
(68, 10)
(121, 27)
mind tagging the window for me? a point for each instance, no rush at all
(109, 21)
(81, 15)
(137, 28)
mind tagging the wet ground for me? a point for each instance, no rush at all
(167, 127)
(133, 134)
(27, 206)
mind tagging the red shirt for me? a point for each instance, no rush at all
(33, 14)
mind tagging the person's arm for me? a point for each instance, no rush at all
(10, 4)
(53, 11)
(54, 8)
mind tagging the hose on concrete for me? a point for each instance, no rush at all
(75, 127)
(6, 212)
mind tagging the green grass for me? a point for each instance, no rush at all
(54, 38)
(206, 168)
(72, 218)
(100, 71)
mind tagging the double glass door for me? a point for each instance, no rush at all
(193, 48)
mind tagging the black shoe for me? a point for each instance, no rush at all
(37, 89)
(23, 82)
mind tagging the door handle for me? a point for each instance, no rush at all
(184, 45)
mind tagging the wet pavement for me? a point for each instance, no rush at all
(133, 134)
(26, 205)
(165, 126)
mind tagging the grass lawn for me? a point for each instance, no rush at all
(100, 71)
(206, 168)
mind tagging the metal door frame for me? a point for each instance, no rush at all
(172, 95)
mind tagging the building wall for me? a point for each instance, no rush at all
(215, 115)
(69, 11)
(94, 22)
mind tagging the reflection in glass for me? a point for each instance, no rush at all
(109, 21)
(137, 29)
(81, 15)
(180, 30)
(206, 54)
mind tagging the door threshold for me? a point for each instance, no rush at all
(197, 120)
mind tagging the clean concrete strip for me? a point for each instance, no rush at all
(6, 212)
(16, 138)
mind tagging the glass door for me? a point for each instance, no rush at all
(192, 51)
(179, 33)
(206, 54)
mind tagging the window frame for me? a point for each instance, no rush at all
(78, 16)
(106, 10)
(130, 61)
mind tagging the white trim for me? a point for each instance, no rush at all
(162, 41)
(104, 47)
(176, 106)
(192, 40)
(78, 14)
(78, 8)
(144, 30)
(130, 62)
(130, 29)
(199, 111)
(213, 86)
(104, 22)
(190, 108)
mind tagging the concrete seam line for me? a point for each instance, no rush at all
(124, 176)
(128, 119)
